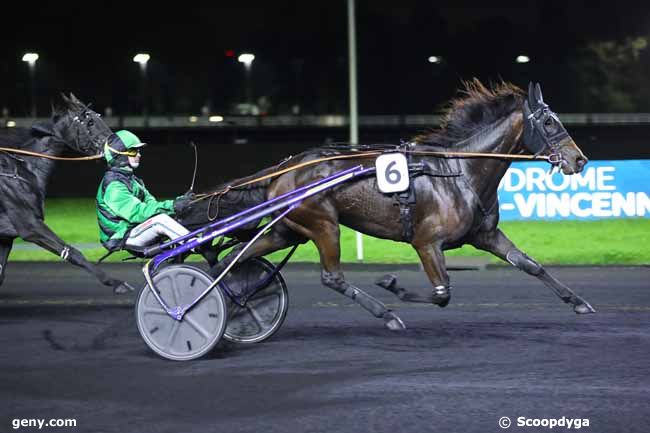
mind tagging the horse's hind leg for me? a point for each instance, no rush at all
(270, 242)
(434, 265)
(327, 241)
(497, 243)
(5, 249)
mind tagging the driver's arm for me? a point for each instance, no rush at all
(127, 206)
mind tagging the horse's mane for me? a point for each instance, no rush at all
(19, 138)
(478, 107)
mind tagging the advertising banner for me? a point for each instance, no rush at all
(605, 189)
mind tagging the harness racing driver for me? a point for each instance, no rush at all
(128, 215)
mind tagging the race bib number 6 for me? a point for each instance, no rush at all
(392, 172)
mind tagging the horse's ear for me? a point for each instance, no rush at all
(528, 139)
(65, 98)
(532, 102)
(74, 99)
(538, 94)
(527, 111)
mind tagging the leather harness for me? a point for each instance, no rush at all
(407, 200)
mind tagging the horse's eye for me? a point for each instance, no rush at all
(91, 123)
(548, 121)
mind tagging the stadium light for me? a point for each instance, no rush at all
(434, 59)
(31, 59)
(141, 58)
(246, 59)
(522, 59)
(215, 118)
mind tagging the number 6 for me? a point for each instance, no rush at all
(392, 176)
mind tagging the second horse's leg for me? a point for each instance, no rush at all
(5, 249)
(40, 234)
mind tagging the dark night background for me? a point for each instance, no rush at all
(590, 56)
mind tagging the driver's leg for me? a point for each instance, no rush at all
(148, 232)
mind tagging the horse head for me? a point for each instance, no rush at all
(82, 129)
(544, 134)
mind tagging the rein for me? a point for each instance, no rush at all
(479, 155)
(367, 155)
(43, 155)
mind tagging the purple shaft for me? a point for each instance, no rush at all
(254, 208)
(278, 203)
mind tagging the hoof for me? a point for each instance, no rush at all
(441, 296)
(441, 302)
(393, 322)
(389, 282)
(583, 308)
(386, 281)
(123, 288)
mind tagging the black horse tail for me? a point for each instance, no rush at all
(227, 200)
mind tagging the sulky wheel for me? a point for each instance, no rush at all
(200, 328)
(262, 313)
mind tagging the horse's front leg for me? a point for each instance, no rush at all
(497, 243)
(5, 249)
(434, 265)
(40, 234)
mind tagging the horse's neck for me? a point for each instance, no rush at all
(44, 167)
(485, 173)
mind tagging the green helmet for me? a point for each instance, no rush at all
(120, 146)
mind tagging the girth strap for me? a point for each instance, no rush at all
(406, 200)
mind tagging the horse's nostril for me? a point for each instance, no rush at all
(581, 161)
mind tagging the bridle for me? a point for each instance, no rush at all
(97, 142)
(538, 140)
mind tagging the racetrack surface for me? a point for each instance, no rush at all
(505, 346)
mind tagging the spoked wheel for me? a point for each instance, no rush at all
(201, 327)
(263, 313)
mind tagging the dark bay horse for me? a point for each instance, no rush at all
(24, 179)
(458, 207)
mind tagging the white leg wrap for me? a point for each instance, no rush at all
(440, 290)
(65, 252)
